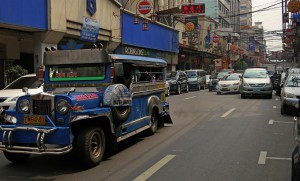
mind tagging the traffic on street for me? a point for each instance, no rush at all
(213, 137)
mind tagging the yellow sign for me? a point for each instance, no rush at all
(189, 27)
(294, 6)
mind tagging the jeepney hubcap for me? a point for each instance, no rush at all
(95, 145)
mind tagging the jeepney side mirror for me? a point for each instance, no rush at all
(72, 89)
(297, 127)
(119, 69)
(25, 90)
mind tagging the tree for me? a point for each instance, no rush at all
(239, 65)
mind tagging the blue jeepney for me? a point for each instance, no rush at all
(91, 101)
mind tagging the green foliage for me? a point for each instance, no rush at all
(239, 65)
(16, 71)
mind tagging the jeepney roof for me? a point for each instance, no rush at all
(138, 59)
(81, 56)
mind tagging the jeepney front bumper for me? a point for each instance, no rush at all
(50, 139)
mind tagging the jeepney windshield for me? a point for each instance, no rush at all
(77, 72)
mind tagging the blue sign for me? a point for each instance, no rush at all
(251, 44)
(91, 6)
(90, 29)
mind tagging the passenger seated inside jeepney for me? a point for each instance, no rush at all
(126, 79)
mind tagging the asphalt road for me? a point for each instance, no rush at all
(213, 138)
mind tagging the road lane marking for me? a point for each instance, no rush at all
(145, 175)
(262, 158)
(271, 121)
(277, 99)
(278, 158)
(284, 122)
(228, 112)
(189, 97)
(274, 107)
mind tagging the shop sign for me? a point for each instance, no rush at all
(191, 25)
(90, 30)
(144, 7)
(191, 9)
(134, 51)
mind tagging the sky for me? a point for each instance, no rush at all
(271, 21)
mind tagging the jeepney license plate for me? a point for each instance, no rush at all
(34, 120)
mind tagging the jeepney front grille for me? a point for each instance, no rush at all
(41, 107)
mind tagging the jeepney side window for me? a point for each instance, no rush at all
(77, 72)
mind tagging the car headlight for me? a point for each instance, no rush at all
(62, 106)
(245, 84)
(24, 106)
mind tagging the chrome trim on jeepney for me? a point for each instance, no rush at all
(41, 147)
(134, 122)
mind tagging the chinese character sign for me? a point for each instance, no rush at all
(191, 9)
(90, 29)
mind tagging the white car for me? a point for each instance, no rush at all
(9, 95)
(229, 84)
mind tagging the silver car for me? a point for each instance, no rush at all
(229, 84)
(256, 81)
(290, 95)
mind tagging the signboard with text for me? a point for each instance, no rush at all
(90, 30)
(191, 9)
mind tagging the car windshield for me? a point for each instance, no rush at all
(231, 77)
(171, 75)
(293, 81)
(222, 74)
(255, 74)
(191, 74)
(29, 82)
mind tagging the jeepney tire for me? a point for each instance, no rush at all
(90, 146)
(153, 122)
(16, 157)
(120, 114)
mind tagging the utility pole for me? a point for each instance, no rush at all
(228, 49)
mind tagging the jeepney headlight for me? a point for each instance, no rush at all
(24, 106)
(62, 106)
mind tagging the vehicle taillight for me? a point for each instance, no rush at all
(112, 72)
(41, 72)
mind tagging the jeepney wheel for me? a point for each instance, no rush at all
(153, 122)
(16, 157)
(90, 146)
(120, 114)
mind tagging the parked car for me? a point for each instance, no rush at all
(256, 81)
(214, 79)
(11, 92)
(229, 84)
(196, 79)
(290, 95)
(178, 81)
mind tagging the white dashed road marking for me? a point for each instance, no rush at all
(189, 97)
(263, 157)
(228, 112)
(145, 175)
